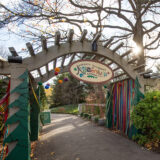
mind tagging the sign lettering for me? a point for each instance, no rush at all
(91, 71)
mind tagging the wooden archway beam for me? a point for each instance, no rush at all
(54, 52)
(44, 57)
(5, 68)
(50, 75)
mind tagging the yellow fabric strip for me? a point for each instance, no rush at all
(1, 108)
(1, 127)
(35, 96)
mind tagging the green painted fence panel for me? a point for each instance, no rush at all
(45, 117)
(21, 133)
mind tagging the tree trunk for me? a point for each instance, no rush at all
(138, 34)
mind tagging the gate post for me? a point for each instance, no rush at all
(34, 115)
(18, 121)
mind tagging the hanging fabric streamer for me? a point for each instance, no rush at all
(4, 113)
(119, 106)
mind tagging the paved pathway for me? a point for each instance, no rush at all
(70, 137)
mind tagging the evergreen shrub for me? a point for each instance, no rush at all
(146, 118)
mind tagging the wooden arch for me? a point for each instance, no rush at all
(48, 54)
(43, 58)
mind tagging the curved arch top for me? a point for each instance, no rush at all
(44, 57)
(54, 52)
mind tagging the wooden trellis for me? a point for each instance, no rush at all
(72, 48)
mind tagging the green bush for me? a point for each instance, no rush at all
(66, 109)
(83, 108)
(96, 119)
(81, 114)
(97, 110)
(86, 115)
(43, 98)
(89, 117)
(89, 109)
(146, 118)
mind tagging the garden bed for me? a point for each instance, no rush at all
(66, 109)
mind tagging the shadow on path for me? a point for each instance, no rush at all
(70, 137)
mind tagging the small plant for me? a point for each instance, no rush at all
(81, 114)
(89, 117)
(97, 110)
(96, 119)
(89, 109)
(86, 115)
(146, 118)
(83, 108)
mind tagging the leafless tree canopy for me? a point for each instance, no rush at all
(125, 20)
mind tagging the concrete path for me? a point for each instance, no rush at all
(70, 137)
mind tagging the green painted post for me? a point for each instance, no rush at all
(35, 119)
(18, 139)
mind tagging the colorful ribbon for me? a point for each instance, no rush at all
(122, 101)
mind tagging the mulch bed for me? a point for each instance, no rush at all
(149, 147)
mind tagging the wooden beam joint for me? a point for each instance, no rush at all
(97, 36)
(70, 35)
(84, 33)
(13, 51)
(132, 60)
(44, 43)
(118, 47)
(30, 49)
(106, 44)
(126, 53)
(57, 38)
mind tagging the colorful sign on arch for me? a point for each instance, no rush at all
(91, 71)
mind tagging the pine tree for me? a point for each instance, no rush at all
(43, 98)
(70, 92)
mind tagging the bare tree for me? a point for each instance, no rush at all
(136, 20)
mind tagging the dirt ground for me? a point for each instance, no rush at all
(70, 137)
